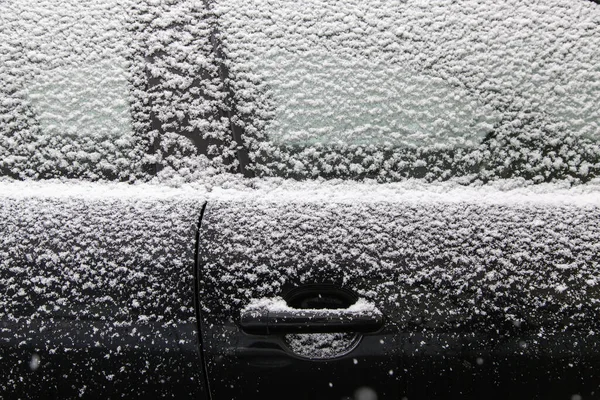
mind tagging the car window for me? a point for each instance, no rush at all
(324, 99)
(110, 90)
(132, 89)
(65, 91)
(427, 89)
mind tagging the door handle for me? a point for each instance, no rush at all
(270, 316)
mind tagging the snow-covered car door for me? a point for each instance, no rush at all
(457, 293)
(281, 315)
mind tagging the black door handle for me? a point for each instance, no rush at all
(273, 316)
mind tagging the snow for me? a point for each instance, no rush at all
(129, 249)
(472, 128)
(107, 89)
(278, 304)
(178, 95)
(541, 236)
(489, 258)
(64, 99)
(510, 192)
(123, 255)
(444, 88)
(333, 88)
(321, 345)
(115, 261)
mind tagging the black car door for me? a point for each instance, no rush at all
(471, 304)
(279, 253)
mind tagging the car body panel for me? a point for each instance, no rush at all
(97, 292)
(484, 293)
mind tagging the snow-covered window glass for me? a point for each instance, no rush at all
(64, 97)
(415, 88)
(109, 89)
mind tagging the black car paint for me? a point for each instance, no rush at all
(99, 253)
(438, 347)
(78, 353)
